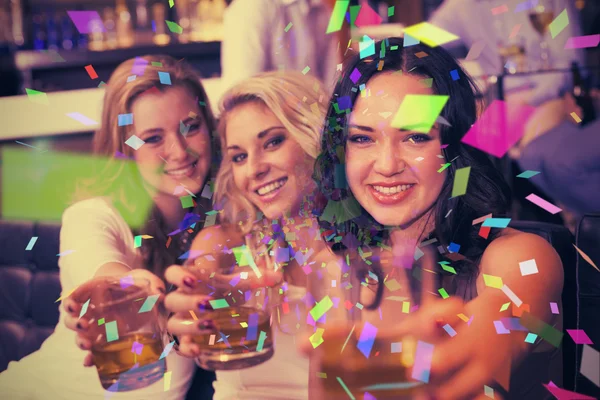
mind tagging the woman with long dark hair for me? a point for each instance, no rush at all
(402, 178)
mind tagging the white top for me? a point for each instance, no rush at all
(255, 39)
(283, 377)
(97, 234)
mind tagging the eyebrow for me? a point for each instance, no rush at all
(260, 135)
(187, 121)
(369, 129)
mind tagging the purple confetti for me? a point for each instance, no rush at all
(554, 308)
(423, 357)
(450, 330)
(355, 76)
(87, 21)
(500, 328)
(252, 327)
(126, 281)
(367, 339)
(139, 66)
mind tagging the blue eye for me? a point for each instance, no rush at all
(153, 139)
(238, 158)
(420, 138)
(274, 142)
(360, 139)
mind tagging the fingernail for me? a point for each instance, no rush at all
(206, 325)
(189, 282)
(204, 305)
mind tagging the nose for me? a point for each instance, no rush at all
(257, 167)
(175, 147)
(388, 160)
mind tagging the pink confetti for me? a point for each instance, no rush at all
(579, 336)
(500, 10)
(581, 42)
(87, 21)
(137, 348)
(126, 281)
(422, 364)
(500, 328)
(515, 31)
(538, 201)
(562, 394)
(554, 308)
(499, 128)
(367, 16)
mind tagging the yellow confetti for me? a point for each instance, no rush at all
(405, 307)
(463, 317)
(586, 258)
(65, 296)
(317, 338)
(505, 306)
(430, 34)
(575, 117)
(492, 281)
(194, 315)
(167, 381)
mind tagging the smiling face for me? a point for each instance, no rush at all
(392, 172)
(269, 167)
(171, 155)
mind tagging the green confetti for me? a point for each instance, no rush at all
(337, 16)
(137, 242)
(345, 388)
(101, 321)
(448, 268)
(174, 27)
(156, 64)
(321, 308)
(427, 82)
(504, 306)
(305, 70)
(444, 166)
(419, 112)
(443, 293)
(219, 303)
(392, 48)
(37, 97)
(149, 303)
(391, 11)
(527, 174)
(288, 27)
(392, 285)
(186, 201)
(461, 180)
(171, 3)
(542, 329)
(112, 333)
(261, 340)
(354, 10)
(559, 23)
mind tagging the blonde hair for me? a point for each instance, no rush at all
(298, 101)
(110, 138)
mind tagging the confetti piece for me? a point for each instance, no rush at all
(125, 119)
(82, 118)
(261, 340)
(562, 394)
(164, 77)
(101, 321)
(131, 78)
(586, 257)
(590, 364)
(475, 50)
(366, 339)
(559, 23)
(488, 391)
(397, 347)
(84, 308)
(149, 303)
(37, 97)
(530, 338)
(419, 112)
(288, 27)
(418, 253)
(137, 348)
(448, 268)
(337, 16)
(252, 326)
(422, 364)
(575, 117)
(186, 201)
(31, 243)
(305, 70)
(167, 350)
(167, 376)
(528, 267)
(449, 330)
(219, 303)
(410, 41)
(579, 336)
(405, 307)
(554, 308)
(391, 11)
(484, 231)
(500, 126)
(515, 30)
(366, 47)
(317, 338)
(504, 306)
(174, 27)
(430, 34)
(345, 388)
(582, 42)
(392, 285)
(321, 308)
(492, 281)
(171, 3)
(481, 219)
(500, 10)
(500, 328)
(355, 75)
(367, 16)
(538, 201)
(453, 247)
(86, 21)
(112, 333)
(511, 295)
(461, 180)
(527, 174)
(542, 329)
(496, 222)
(454, 75)
(91, 71)
(443, 293)
(134, 142)
(126, 281)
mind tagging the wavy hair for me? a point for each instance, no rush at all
(297, 100)
(488, 192)
(110, 139)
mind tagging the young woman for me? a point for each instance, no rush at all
(175, 123)
(399, 176)
(269, 131)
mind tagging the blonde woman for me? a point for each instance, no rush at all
(174, 160)
(269, 132)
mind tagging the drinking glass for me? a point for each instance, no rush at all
(540, 17)
(241, 309)
(359, 352)
(128, 330)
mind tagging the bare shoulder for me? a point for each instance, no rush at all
(513, 247)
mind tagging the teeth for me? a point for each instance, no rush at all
(392, 190)
(271, 187)
(181, 171)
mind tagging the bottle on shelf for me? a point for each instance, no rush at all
(124, 25)
(161, 38)
(582, 96)
(143, 30)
